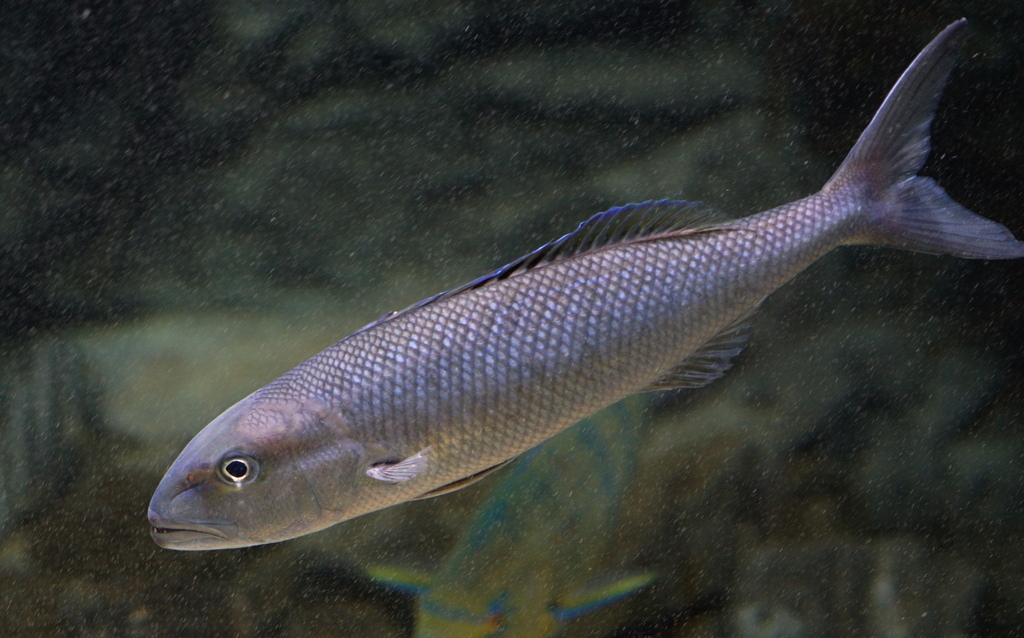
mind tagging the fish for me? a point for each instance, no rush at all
(524, 565)
(649, 296)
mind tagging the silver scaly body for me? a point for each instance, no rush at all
(646, 296)
(523, 358)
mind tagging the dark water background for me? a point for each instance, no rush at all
(195, 196)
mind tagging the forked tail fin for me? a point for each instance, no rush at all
(902, 209)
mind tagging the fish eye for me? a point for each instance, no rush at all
(237, 469)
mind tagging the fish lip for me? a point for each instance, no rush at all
(174, 535)
(202, 530)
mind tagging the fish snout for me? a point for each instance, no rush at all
(172, 534)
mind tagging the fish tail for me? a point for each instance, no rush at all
(902, 209)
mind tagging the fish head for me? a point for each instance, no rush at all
(248, 478)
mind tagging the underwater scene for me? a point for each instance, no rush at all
(672, 421)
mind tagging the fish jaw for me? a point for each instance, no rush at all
(192, 536)
(171, 527)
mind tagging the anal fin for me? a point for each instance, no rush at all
(463, 482)
(708, 363)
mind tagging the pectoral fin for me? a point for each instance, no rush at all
(462, 482)
(591, 598)
(400, 471)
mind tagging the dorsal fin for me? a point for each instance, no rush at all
(708, 363)
(614, 226)
(632, 222)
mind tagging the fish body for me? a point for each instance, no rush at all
(526, 562)
(640, 297)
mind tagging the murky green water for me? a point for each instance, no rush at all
(196, 196)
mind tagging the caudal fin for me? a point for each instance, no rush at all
(902, 209)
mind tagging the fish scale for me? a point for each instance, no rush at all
(640, 297)
(586, 331)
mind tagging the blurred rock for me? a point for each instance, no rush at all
(169, 375)
(893, 588)
(494, 147)
(738, 163)
(616, 86)
(90, 128)
(915, 592)
(48, 412)
(787, 592)
(903, 480)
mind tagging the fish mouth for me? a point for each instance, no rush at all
(191, 536)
